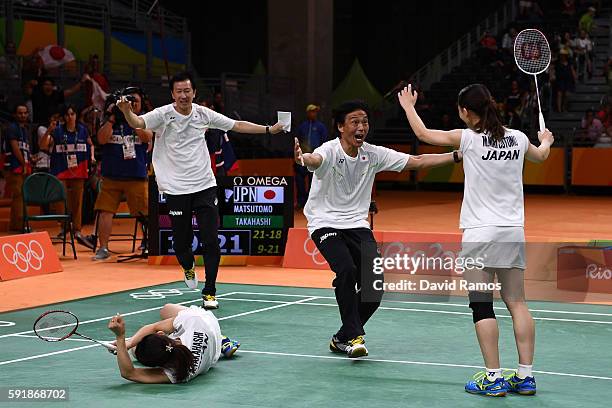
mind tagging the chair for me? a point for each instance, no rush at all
(44, 189)
(118, 216)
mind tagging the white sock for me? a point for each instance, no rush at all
(493, 373)
(524, 371)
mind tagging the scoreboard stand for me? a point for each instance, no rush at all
(255, 214)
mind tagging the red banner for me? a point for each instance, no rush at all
(27, 255)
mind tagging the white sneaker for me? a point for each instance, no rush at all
(191, 278)
(356, 348)
(210, 302)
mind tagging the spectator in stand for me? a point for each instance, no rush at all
(446, 122)
(605, 115)
(508, 41)
(586, 22)
(71, 152)
(568, 44)
(43, 160)
(529, 110)
(530, 10)
(568, 8)
(47, 99)
(99, 82)
(9, 62)
(591, 127)
(489, 52)
(32, 69)
(18, 165)
(565, 79)
(311, 134)
(218, 105)
(513, 100)
(584, 55)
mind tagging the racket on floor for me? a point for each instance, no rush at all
(532, 56)
(58, 325)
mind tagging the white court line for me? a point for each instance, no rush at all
(297, 302)
(96, 345)
(109, 317)
(430, 303)
(425, 363)
(48, 354)
(403, 309)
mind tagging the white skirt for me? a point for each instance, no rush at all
(495, 247)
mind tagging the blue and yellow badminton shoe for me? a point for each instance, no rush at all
(522, 386)
(481, 385)
(229, 346)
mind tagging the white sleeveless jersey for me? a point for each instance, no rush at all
(493, 188)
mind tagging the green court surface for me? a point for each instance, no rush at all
(422, 350)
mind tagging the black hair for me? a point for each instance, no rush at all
(156, 350)
(46, 79)
(182, 76)
(339, 114)
(65, 108)
(591, 111)
(18, 104)
(478, 99)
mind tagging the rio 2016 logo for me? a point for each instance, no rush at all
(598, 272)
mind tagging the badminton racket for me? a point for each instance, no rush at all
(532, 56)
(58, 325)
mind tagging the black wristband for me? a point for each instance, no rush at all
(456, 156)
(267, 130)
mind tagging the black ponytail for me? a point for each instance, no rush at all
(478, 99)
(157, 350)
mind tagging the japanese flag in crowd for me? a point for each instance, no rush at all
(98, 96)
(54, 56)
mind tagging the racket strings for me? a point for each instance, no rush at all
(531, 51)
(55, 326)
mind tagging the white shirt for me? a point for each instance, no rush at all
(199, 331)
(341, 188)
(493, 188)
(180, 156)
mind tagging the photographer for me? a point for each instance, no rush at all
(124, 166)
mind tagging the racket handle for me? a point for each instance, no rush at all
(542, 124)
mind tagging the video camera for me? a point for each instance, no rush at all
(112, 99)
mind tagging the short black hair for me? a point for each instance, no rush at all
(18, 104)
(344, 109)
(182, 76)
(65, 108)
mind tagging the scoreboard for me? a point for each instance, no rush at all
(255, 214)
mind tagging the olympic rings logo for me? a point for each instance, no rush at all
(316, 256)
(24, 257)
